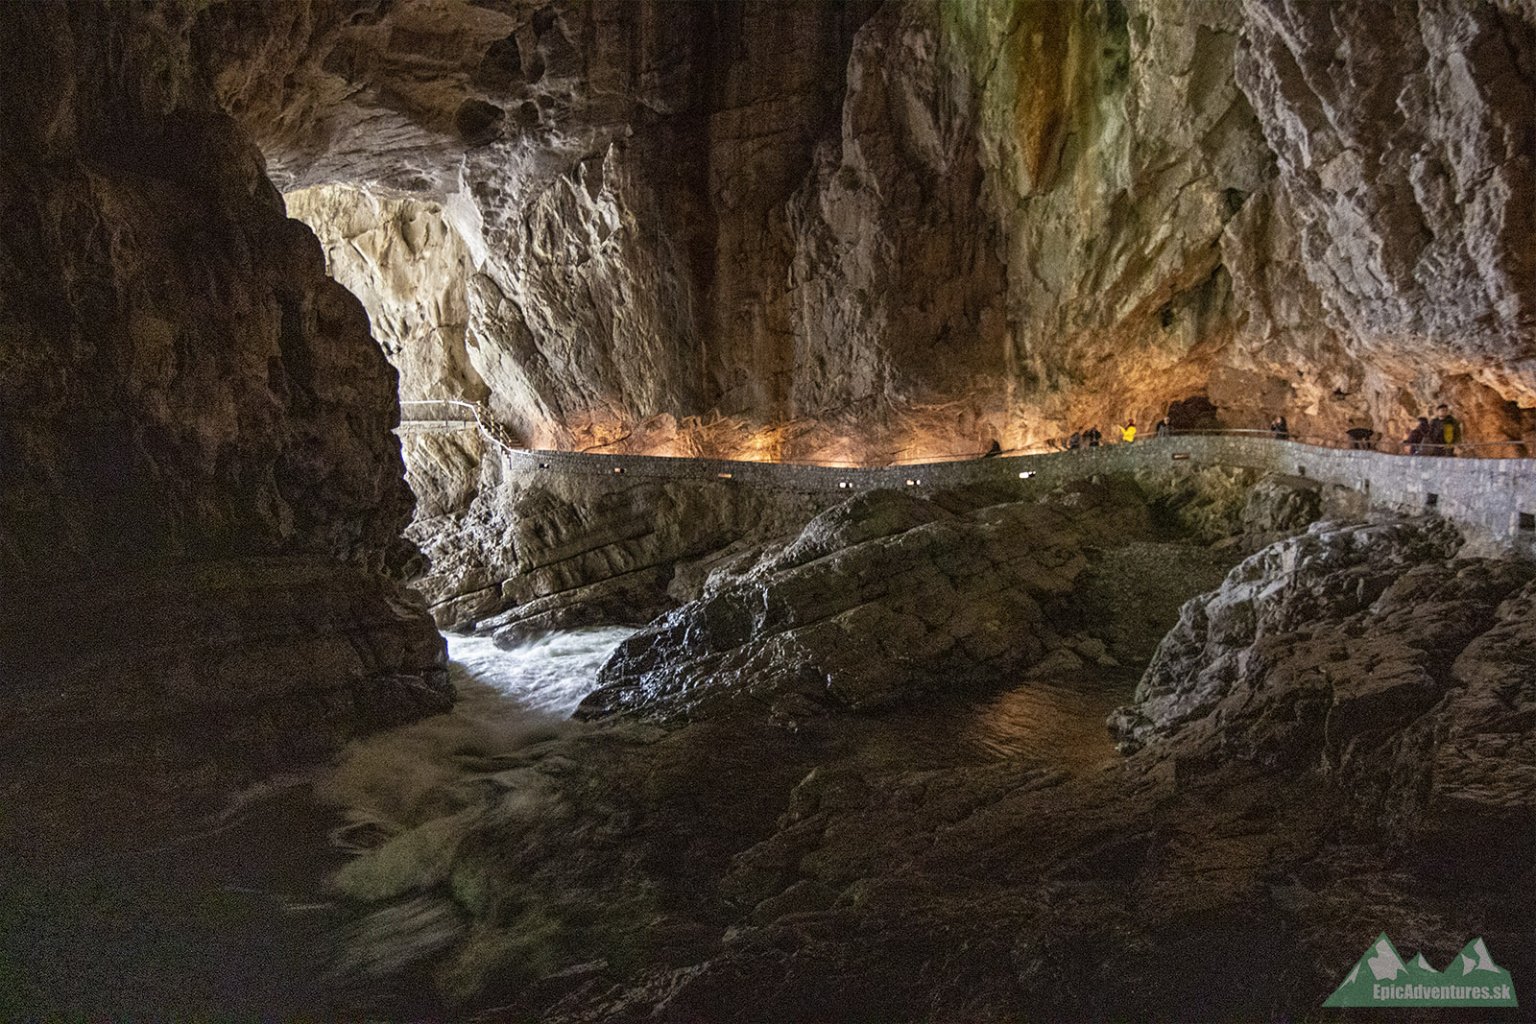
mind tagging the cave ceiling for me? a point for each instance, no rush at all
(885, 229)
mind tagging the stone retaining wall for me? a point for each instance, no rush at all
(1492, 500)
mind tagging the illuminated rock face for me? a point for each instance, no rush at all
(778, 230)
(409, 268)
(1391, 258)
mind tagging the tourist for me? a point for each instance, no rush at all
(1417, 436)
(1128, 432)
(1434, 436)
(1162, 429)
(1360, 437)
(1075, 441)
(1279, 429)
(1093, 437)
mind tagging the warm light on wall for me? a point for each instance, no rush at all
(762, 446)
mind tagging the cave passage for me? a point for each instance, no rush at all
(738, 510)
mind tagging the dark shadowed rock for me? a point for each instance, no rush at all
(201, 502)
(1338, 734)
(138, 701)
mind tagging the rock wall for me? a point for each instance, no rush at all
(1394, 256)
(1338, 733)
(872, 231)
(185, 393)
(890, 595)
(1362, 652)
(522, 552)
(410, 269)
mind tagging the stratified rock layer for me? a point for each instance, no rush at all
(517, 554)
(877, 600)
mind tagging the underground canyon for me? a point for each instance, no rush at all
(768, 510)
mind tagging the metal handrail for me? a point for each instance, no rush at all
(480, 416)
(1381, 446)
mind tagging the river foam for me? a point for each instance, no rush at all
(408, 796)
(508, 698)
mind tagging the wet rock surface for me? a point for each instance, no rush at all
(882, 598)
(775, 229)
(1333, 743)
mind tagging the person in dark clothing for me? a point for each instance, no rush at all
(1279, 429)
(1075, 441)
(1162, 429)
(994, 450)
(1417, 436)
(1093, 437)
(1433, 437)
(1360, 437)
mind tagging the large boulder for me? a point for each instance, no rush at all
(880, 598)
(1370, 655)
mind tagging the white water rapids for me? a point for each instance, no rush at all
(508, 698)
(548, 675)
(409, 795)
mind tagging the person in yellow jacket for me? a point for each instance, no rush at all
(1128, 432)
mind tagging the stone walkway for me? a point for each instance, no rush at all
(1492, 500)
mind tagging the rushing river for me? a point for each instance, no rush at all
(549, 675)
(246, 919)
(508, 698)
(241, 920)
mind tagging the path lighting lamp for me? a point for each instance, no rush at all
(618, 469)
(1026, 474)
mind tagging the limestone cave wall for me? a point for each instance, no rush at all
(885, 230)
(201, 502)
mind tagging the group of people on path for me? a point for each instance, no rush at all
(1089, 437)
(1093, 437)
(1431, 436)
(1437, 436)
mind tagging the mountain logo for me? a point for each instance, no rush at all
(1381, 978)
